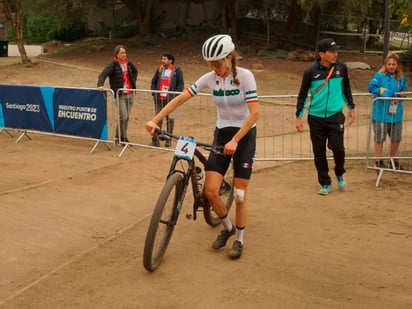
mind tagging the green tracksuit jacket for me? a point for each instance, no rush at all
(327, 98)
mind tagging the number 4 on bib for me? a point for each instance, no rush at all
(185, 148)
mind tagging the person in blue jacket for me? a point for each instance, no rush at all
(327, 80)
(387, 115)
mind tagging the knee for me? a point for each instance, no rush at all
(337, 148)
(209, 193)
(239, 195)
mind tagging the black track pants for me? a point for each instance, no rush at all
(327, 132)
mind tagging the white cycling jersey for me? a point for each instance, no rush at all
(231, 100)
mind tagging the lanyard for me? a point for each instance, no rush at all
(325, 80)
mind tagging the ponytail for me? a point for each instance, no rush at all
(234, 55)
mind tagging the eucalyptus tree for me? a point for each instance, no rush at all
(13, 12)
(17, 11)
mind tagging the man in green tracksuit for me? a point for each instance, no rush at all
(327, 81)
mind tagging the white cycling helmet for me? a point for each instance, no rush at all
(217, 47)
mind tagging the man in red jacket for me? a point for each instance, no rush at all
(166, 78)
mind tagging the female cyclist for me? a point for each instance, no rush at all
(234, 93)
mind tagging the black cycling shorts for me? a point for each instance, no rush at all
(243, 158)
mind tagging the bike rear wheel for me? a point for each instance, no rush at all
(162, 222)
(226, 193)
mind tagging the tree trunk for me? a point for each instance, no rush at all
(142, 11)
(208, 20)
(19, 34)
(294, 17)
(267, 18)
(15, 19)
(316, 15)
(229, 18)
(147, 19)
(233, 19)
(22, 51)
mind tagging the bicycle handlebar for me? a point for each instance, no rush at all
(216, 149)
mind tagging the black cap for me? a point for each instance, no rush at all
(327, 44)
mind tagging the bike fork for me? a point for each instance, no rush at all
(178, 208)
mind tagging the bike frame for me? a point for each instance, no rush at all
(171, 198)
(189, 175)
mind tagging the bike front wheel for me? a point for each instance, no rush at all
(162, 222)
(226, 193)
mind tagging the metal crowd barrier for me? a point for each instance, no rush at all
(404, 154)
(111, 118)
(195, 118)
(277, 138)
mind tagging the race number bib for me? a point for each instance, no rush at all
(164, 92)
(185, 148)
(393, 107)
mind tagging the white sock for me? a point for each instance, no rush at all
(239, 234)
(226, 223)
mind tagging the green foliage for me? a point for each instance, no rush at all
(184, 33)
(39, 29)
(401, 8)
(132, 43)
(149, 40)
(125, 29)
(9, 33)
(406, 59)
(70, 29)
(188, 33)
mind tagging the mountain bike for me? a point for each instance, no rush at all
(186, 168)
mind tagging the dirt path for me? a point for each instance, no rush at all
(72, 227)
(77, 241)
